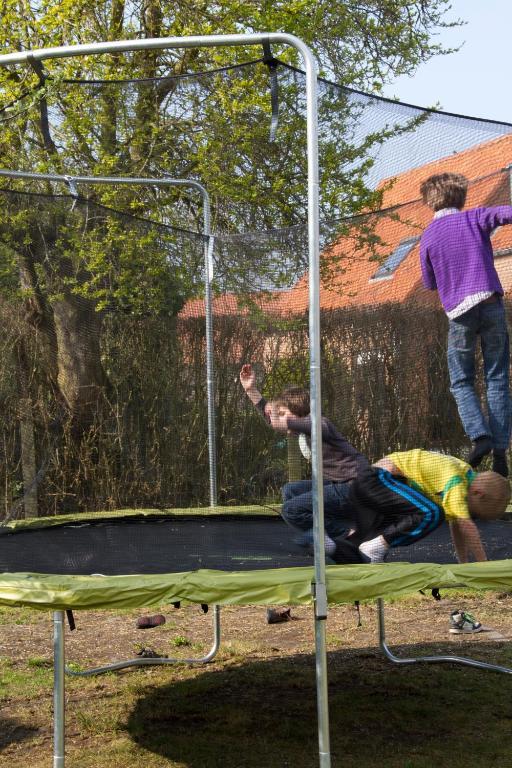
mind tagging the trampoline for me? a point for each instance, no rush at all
(219, 558)
(182, 542)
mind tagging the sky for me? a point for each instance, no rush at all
(474, 81)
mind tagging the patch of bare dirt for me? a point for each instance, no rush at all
(101, 637)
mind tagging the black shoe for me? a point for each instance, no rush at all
(278, 615)
(499, 463)
(481, 447)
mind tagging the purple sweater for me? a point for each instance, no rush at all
(456, 254)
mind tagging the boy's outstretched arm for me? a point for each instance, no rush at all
(248, 382)
(467, 541)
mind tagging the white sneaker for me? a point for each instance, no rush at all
(463, 623)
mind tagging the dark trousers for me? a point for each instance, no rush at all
(384, 504)
(297, 509)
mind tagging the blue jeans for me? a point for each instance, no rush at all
(489, 322)
(297, 509)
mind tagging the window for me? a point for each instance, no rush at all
(392, 262)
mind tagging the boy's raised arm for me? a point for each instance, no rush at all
(467, 541)
(248, 382)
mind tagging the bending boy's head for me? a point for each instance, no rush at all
(488, 496)
(295, 399)
(444, 190)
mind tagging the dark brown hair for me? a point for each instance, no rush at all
(295, 399)
(444, 190)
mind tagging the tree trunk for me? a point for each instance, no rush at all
(80, 375)
(28, 458)
(27, 440)
(294, 458)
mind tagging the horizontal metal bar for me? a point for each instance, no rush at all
(157, 182)
(119, 46)
(440, 659)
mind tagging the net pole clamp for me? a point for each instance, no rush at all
(319, 592)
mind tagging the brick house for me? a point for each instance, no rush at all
(384, 380)
(392, 273)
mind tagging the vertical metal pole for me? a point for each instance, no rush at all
(58, 690)
(210, 366)
(320, 590)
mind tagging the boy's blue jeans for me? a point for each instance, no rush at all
(297, 509)
(488, 321)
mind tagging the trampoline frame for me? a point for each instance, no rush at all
(319, 590)
(142, 662)
(401, 660)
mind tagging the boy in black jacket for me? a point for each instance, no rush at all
(290, 412)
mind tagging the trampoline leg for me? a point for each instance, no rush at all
(322, 690)
(157, 662)
(432, 659)
(58, 689)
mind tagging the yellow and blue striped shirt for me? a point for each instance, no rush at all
(444, 479)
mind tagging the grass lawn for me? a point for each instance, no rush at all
(255, 706)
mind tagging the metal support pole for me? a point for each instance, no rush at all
(210, 364)
(320, 589)
(432, 659)
(58, 690)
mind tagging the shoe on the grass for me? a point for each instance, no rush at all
(149, 653)
(147, 622)
(278, 615)
(463, 623)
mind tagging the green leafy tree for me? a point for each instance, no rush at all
(215, 130)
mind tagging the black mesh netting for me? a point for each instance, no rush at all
(103, 387)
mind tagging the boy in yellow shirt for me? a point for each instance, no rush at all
(408, 494)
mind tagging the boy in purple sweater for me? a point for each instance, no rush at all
(457, 260)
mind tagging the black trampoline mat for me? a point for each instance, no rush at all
(153, 545)
(124, 546)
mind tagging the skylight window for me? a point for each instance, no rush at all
(388, 268)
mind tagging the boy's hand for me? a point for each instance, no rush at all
(387, 464)
(247, 377)
(248, 382)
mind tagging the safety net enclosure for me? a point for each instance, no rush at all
(109, 368)
(113, 395)
(114, 357)
(104, 391)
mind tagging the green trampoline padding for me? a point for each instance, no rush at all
(345, 583)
